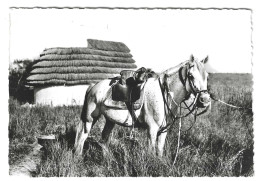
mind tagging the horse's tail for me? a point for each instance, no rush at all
(83, 112)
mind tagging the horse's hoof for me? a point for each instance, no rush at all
(76, 153)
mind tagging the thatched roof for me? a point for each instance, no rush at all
(80, 65)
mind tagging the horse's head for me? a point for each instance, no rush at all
(194, 77)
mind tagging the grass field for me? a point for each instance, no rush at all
(219, 144)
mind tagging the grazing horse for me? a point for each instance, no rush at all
(181, 81)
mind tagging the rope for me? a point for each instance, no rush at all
(132, 135)
(178, 144)
(237, 107)
(195, 119)
(230, 105)
(163, 129)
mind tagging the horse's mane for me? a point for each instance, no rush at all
(173, 70)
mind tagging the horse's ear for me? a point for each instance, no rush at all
(192, 58)
(205, 60)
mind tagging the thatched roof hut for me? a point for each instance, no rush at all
(60, 74)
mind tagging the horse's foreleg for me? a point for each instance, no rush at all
(152, 135)
(160, 143)
(81, 136)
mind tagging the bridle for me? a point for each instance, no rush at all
(191, 108)
(188, 78)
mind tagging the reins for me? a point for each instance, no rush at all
(163, 129)
(190, 108)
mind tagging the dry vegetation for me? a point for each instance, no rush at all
(219, 144)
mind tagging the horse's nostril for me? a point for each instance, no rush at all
(204, 99)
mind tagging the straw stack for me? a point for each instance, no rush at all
(80, 65)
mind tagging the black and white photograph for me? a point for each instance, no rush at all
(131, 91)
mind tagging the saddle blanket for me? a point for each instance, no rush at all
(109, 102)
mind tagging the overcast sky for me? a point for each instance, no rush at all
(158, 39)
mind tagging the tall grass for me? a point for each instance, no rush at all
(219, 144)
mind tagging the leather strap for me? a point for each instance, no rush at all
(181, 77)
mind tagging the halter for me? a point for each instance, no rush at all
(191, 83)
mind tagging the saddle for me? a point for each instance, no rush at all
(128, 88)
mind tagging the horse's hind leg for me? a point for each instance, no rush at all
(81, 136)
(89, 115)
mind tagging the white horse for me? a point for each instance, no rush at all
(187, 78)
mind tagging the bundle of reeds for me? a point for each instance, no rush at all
(108, 45)
(70, 76)
(72, 69)
(79, 63)
(70, 66)
(83, 50)
(62, 82)
(85, 57)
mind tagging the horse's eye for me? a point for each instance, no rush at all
(190, 75)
